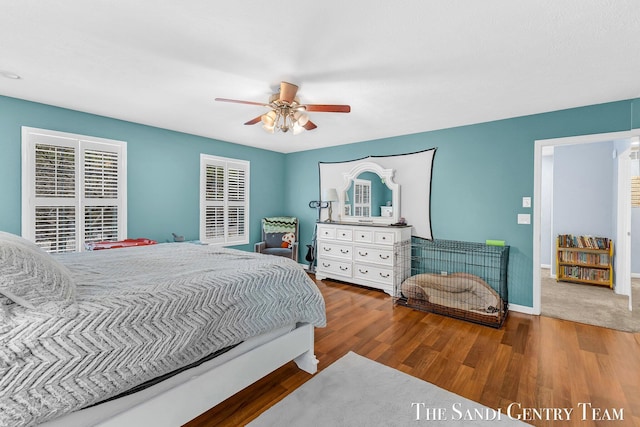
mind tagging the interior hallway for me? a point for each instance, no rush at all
(590, 304)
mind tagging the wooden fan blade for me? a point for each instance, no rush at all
(288, 92)
(328, 108)
(309, 125)
(241, 102)
(254, 121)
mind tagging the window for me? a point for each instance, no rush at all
(224, 200)
(362, 197)
(73, 189)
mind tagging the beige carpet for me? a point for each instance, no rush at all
(590, 304)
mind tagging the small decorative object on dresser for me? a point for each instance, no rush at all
(363, 255)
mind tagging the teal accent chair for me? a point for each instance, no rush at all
(279, 237)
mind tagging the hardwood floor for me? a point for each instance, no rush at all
(535, 361)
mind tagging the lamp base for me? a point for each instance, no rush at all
(330, 213)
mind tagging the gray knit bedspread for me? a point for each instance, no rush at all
(144, 312)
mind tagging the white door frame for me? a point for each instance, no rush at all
(623, 231)
(537, 167)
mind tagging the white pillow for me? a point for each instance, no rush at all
(32, 278)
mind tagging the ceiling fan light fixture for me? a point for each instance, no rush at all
(269, 129)
(288, 92)
(297, 129)
(286, 113)
(300, 118)
(269, 119)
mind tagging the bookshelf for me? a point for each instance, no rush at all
(584, 259)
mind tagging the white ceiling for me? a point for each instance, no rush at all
(404, 67)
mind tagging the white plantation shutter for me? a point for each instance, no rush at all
(224, 200)
(362, 198)
(55, 228)
(214, 200)
(101, 224)
(54, 186)
(55, 171)
(73, 189)
(101, 179)
(236, 196)
(214, 224)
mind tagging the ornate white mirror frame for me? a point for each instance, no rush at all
(387, 176)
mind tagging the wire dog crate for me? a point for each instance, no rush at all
(464, 280)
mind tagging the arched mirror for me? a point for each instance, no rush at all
(369, 195)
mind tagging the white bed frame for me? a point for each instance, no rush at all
(196, 391)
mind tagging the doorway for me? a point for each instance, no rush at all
(623, 269)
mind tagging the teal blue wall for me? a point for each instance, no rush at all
(162, 171)
(480, 174)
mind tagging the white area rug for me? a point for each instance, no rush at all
(356, 391)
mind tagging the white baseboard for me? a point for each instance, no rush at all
(521, 308)
(545, 266)
(635, 275)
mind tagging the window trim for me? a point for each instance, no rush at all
(79, 143)
(226, 162)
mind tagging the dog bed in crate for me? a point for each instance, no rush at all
(461, 295)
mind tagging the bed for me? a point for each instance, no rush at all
(77, 330)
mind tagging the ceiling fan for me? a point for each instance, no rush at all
(286, 112)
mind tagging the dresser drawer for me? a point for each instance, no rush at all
(326, 232)
(363, 236)
(345, 234)
(375, 274)
(384, 237)
(335, 250)
(334, 266)
(378, 256)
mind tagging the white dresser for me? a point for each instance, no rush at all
(374, 256)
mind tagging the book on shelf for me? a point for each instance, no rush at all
(584, 257)
(586, 242)
(575, 272)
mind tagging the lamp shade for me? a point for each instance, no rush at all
(330, 195)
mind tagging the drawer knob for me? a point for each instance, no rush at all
(384, 275)
(362, 236)
(384, 238)
(383, 256)
(344, 268)
(363, 254)
(326, 249)
(344, 251)
(363, 272)
(324, 264)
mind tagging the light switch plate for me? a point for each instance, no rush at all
(526, 202)
(524, 219)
